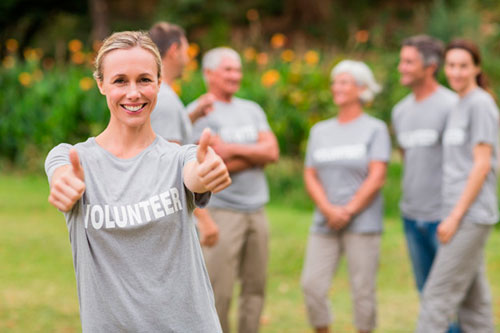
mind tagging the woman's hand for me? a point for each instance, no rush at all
(447, 229)
(67, 184)
(338, 217)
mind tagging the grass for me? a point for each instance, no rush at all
(38, 290)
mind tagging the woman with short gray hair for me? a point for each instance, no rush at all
(345, 169)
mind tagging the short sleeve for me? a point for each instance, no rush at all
(261, 119)
(380, 146)
(194, 199)
(199, 125)
(309, 150)
(57, 157)
(166, 122)
(484, 123)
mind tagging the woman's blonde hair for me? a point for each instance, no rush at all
(122, 41)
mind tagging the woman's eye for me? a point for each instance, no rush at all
(119, 81)
(145, 79)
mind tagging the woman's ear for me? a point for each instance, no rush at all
(101, 88)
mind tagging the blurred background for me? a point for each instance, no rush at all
(288, 47)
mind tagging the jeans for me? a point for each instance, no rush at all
(422, 242)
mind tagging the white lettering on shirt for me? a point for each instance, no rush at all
(242, 134)
(347, 152)
(154, 208)
(418, 138)
(454, 137)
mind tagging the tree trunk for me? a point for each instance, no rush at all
(100, 19)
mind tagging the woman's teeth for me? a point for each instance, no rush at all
(133, 108)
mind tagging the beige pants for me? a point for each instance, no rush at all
(322, 258)
(241, 252)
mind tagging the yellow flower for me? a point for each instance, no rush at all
(31, 54)
(270, 77)
(311, 57)
(362, 36)
(176, 87)
(25, 79)
(252, 15)
(249, 54)
(278, 41)
(262, 58)
(287, 55)
(37, 75)
(78, 58)
(75, 45)
(296, 97)
(193, 50)
(12, 45)
(86, 83)
(192, 65)
(9, 62)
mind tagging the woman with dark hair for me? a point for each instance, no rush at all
(457, 282)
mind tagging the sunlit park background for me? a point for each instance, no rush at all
(48, 96)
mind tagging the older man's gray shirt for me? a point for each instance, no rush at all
(419, 127)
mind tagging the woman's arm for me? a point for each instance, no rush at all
(480, 169)
(337, 216)
(369, 188)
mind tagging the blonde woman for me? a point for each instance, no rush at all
(127, 196)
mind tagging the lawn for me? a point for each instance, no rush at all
(38, 291)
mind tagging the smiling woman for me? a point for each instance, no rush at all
(128, 196)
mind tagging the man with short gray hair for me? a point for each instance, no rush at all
(246, 143)
(419, 122)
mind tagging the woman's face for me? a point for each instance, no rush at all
(460, 70)
(130, 83)
(345, 90)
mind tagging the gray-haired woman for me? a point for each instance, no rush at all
(345, 169)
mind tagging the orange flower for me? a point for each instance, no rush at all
(75, 45)
(249, 54)
(78, 58)
(311, 57)
(192, 65)
(31, 54)
(25, 79)
(278, 41)
(252, 15)
(86, 83)
(9, 62)
(48, 63)
(362, 36)
(287, 55)
(176, 87)
(12, 45)
(270, 77)
(96, 45)
(262, 58)
(193, 50)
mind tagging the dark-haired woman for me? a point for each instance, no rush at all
(457, 282)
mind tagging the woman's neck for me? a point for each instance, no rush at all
(125, 141)
(349, 112)
(467, 89)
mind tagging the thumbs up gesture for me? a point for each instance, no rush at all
(211, 171)
(67, 184)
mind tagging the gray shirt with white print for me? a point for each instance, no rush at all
(137, 258)
(341, 154)
(169, 118)
(473, 121)
(239, 121)
(419, 127)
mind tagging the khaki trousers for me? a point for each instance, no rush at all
(322, 258)
(241, 253)
(457, 284)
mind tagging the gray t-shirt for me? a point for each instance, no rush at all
(419, 127)
(473, 121)
(169, 118)
(341, 154)
(239, 121)
(137, 258)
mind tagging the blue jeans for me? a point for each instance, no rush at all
(422, 242)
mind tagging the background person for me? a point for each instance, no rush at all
(246, 144)
(170, 119)
(419, 121)
(346, 164)
(457, 282)
(127, 196)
